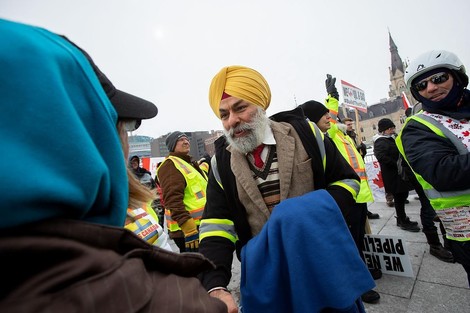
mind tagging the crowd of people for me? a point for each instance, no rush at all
(286, 193)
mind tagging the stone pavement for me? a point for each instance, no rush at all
(437, 287)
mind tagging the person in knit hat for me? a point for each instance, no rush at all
(385, 124)
(317, 113)
(183, 185)
(386, 152)
(259, 162)
(173, 138)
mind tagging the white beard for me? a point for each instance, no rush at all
(256, 130)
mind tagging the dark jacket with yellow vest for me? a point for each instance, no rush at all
(235, 210)
(441, 164)
(184, 191)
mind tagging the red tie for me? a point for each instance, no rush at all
(257, 156)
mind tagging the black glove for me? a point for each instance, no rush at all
(330, 86)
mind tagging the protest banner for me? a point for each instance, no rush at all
(374, 177)
(387, 253)
(150, 164)
(353, 96)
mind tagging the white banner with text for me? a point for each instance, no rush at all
(387, 253)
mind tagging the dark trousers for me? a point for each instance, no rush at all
(357, 225)
(427, 213)
(461, 252)
(399, 199)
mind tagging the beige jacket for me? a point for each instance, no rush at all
(295, 174)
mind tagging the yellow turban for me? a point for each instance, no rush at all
(240, 82)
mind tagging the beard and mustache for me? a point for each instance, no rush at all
(255, 133)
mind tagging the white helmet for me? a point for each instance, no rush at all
(432, 60)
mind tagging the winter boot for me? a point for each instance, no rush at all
(375, 273)
(441, 253)
(407, 221)
(372, 216)
(436, 249)
(370, 296)
(408, 225)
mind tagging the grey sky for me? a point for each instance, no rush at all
(168, 51)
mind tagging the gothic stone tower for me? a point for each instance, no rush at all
(397, 73)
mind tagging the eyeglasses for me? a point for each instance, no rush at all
(436, 79)
(131, 125)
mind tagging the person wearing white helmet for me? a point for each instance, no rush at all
(436, 143)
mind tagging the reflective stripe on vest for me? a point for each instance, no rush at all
(217, 227)
(347, 149)
(205, 167)
(350, 185)
(439, 199)
(319, 137)
(194, 193)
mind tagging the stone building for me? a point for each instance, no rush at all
(391, 108)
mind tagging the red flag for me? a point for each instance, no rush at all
(406, 103)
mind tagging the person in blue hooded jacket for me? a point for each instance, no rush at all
(62, 244)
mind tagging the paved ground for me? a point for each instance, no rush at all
(437, 287)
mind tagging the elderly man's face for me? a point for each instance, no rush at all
(182, 145)
(244, 123)
(234, 111)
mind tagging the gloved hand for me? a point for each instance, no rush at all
(191, 235)
(330, 86)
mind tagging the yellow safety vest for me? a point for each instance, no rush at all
(205, 167)
(194, 193)
(143, 222)
(438, 199)
(348, 150)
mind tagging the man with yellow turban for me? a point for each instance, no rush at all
(260, 162)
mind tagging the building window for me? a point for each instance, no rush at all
(374, 127)
(384, 111)
(371, 114)
(362, 129)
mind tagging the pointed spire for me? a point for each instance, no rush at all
(397, 63)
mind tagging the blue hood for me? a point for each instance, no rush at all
(61, 155)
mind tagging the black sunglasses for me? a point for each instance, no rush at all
(436, 79)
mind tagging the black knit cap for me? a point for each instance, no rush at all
(314, 110)
(172, 138)
(385, 124)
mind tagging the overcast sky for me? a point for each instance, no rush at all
(168, 51)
